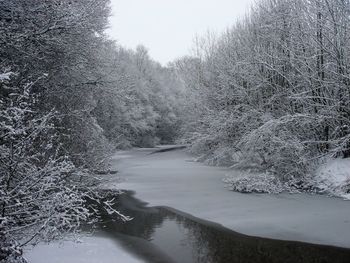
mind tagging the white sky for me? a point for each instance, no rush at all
(167, 27)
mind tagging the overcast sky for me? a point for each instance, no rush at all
(167, 27)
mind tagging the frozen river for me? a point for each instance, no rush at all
(190, 217)
(172, 179)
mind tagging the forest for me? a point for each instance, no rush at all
(269, 96)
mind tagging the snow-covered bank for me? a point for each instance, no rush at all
(331, 178)
(90, 249)
(334, 177)
(173, 179)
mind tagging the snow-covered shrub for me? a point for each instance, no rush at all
(248, 182)
(212, 144)
(277, 146)
(277, 154)
(216, 144)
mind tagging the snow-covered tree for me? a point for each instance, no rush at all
(141, 107)
(273, 88)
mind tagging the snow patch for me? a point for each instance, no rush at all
(333, 177)
(89, 249)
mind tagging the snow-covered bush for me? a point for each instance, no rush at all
(276, 146)
(248, 182)
(215, 144)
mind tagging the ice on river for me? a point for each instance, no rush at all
(173, 179)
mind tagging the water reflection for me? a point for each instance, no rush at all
(176, 237)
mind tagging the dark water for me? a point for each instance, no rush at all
(162, 234)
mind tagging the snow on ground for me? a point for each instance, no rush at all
(173, 179)
(334, 177)
(90, 249)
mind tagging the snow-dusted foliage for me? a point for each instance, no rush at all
(248, 182)
(39, 194)
(51, 46)
(42, 192)
(10, 251)
(142, 108)
(5, 76)
(271, 93)
(278, 146)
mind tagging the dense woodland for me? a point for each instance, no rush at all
(271, 94)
